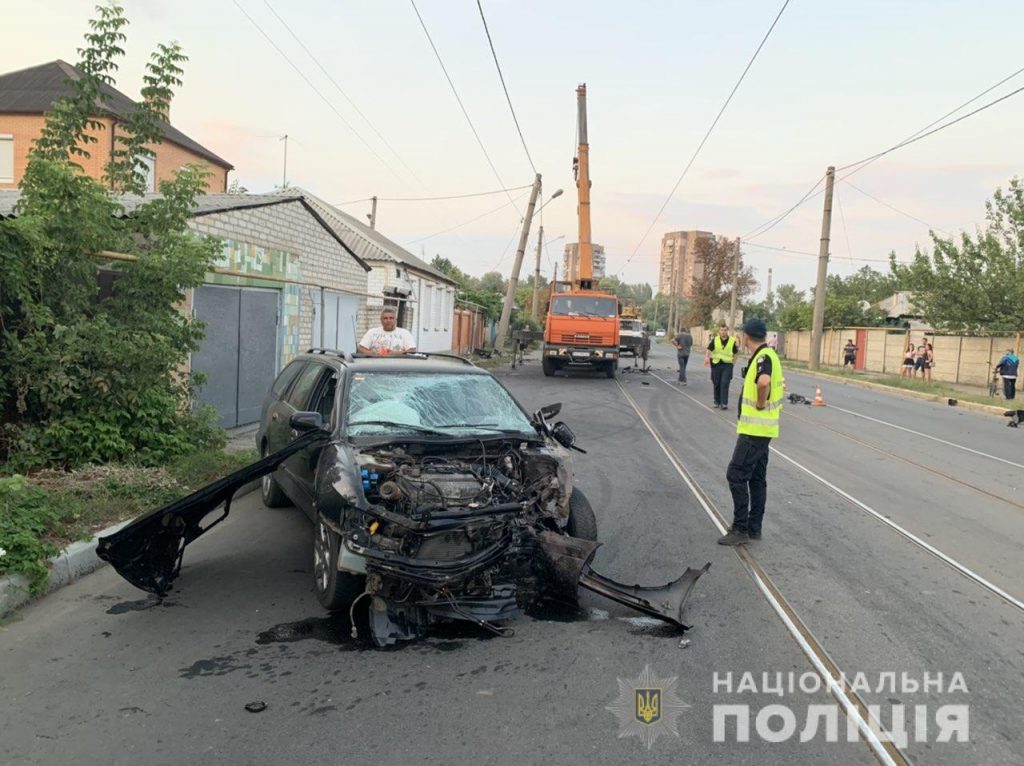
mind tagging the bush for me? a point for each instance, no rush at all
(26, 515)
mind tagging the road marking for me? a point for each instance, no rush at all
(926, 436)
(854, 707)
(907, 534)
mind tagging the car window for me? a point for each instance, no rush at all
(452, 403)
(323, 399)
(300, 394)
(287, 376)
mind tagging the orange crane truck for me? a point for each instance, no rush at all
(582, 326)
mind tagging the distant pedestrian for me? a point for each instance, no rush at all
(909, 357)
(850, 354)
(721, 354)
(760, 407)
(920, 356)
(929, 362)
(1007, 367)
(388, 338)
(683, 343)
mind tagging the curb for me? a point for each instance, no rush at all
(72, 563)
(988, 409)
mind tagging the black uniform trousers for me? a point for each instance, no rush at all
(747, 482)
(721, 377)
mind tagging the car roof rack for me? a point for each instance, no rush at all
(336, 352)
(417, 355)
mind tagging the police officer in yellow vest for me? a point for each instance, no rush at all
(760, 407)
(721, 351)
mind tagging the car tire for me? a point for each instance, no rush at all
(609, 370)
(335, 590)
(582, 522)
(271, 492)
(549, 367)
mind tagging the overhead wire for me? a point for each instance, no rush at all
(893, 207)
(462, 106)
(504, 87)
(435, 199)
(316, 90)
(846, 233)
(340, 90)
(464, 223)
(912, 138)
(707, 134)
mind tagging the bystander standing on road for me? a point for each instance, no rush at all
(850, 354)
(760, 407)
(388, 338)
(683, 342)
(721, 353)
(1008, 367)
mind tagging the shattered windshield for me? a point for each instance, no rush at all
(385, 403)
(582, 305)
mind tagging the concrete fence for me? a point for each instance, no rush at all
(958, 358)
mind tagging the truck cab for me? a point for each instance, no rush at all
(581, 332)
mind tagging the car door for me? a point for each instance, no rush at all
(303, 464)
(274, 420)
(296, 400)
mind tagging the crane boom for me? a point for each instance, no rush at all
(585, 277)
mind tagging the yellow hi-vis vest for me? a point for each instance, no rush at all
(755, 422)
(723, 352)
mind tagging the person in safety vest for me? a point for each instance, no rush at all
(721, 352)
(760, 407)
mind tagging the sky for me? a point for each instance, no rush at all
(368, 111)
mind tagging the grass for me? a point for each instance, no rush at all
(45, 511)
(939, 389)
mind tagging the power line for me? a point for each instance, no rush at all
(340, 90)
(707, 135)
(504, 87)
(795, 253)
(462, 106)
(464, 223)
(916, 136)
(435, 199)
(317, 90)
(894, 208)
(931, 132)
(771, 223)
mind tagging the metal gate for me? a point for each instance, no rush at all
(239, 354)
(340, 314)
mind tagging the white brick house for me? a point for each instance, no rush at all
(424, 296)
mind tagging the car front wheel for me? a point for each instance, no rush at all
(273, 495)
(335, 590)
(582, 522)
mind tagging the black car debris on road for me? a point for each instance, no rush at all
(433, 494)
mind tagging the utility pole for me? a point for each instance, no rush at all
(536, 275)
(735, 286)
(284, 172)
(373, 213)
(513, 280)
(819, 291)
(768, 295)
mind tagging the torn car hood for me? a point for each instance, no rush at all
(148, 551)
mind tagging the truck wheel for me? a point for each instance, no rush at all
(334, 589)
(609, 371)
(582, 523)
(549, 366)
(270, 491)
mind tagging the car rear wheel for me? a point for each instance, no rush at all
(335, 590)
(273, 495)
(582, 522)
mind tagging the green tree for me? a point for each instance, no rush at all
(978, 283)
(85, 379)
(712, 288)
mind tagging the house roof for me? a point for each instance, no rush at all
(34, 90)
(369, 243)
(208, 204)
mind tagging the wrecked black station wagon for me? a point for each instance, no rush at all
(433, 494)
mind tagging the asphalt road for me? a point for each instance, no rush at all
(98, 674)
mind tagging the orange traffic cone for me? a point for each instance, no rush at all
(819, 400)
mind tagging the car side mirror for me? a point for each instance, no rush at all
(307, 421)
(562, 434)
(550, 410)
